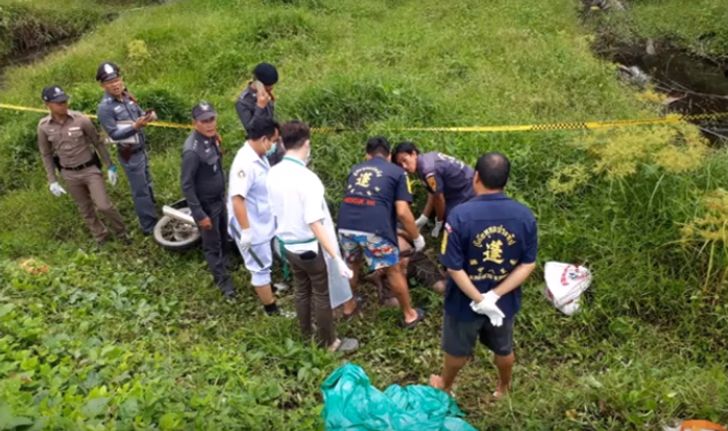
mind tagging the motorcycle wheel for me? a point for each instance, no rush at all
(175, 235)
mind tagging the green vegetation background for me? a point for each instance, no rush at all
(137, 337)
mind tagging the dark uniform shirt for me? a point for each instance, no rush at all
(447, 175)
(248, 110)
(488, 236)
(73, 142)
(202, 178)
(371, 191)
(250, 114)
(117, 117)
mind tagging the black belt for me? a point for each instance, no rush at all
(91, 162)
(135, 148)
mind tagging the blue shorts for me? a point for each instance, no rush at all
(378, 252)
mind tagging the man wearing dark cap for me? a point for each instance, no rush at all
(489, 249)
(448, 181)
(123, 120)
(257, 102)
(203, 184)
(68, 141)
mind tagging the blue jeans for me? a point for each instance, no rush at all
(140, 183)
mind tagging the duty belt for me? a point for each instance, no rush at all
(91, 162)
(132, 149)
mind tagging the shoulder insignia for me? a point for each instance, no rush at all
(443, 245)
(432, 182)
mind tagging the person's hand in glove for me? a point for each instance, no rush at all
(487, 306)
(438, 227)
(56, 189)
(113, 175)
(344, 270)
(421, 221)
(419, 243)
(246, 238)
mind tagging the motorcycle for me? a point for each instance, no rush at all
(176, 230)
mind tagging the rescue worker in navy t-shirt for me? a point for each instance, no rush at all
(448, 181)
(489, 249)
(377, 195)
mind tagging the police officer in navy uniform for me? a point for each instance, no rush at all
(257, 103)
(448, 181)
(124, 121)
(489, 249)
(203, 184)
(377, 195)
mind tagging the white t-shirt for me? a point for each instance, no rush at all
(297, 199)
(248, 175)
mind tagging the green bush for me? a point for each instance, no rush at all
(24, 28)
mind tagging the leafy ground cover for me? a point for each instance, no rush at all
(137, 338)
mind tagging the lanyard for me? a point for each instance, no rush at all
(296, 161)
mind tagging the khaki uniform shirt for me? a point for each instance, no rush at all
(71, 141)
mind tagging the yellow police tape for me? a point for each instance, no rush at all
(547, 127)
(45, 111)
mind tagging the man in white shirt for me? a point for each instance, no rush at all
(250, 221)
(304, 226)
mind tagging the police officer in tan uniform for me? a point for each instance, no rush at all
(69, 142)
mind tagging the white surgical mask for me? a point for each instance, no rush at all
(308, 157)
(272, 149)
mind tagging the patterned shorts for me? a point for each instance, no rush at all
(378, 252)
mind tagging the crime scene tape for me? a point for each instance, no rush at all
(165, 124)
(545, 127)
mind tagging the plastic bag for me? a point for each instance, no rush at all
(696, 425)
(339, 287)
(351, 403)
(564, 285)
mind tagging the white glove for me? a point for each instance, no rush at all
(419, 243)
(489, 308)
(438, 227)
(421, 221)
(113, 175)
(246, 238)
(56, 189)
(344, 270)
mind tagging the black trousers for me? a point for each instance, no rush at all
(215, 244)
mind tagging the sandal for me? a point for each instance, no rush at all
(412, 324)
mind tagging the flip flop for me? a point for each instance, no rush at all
(412, 324)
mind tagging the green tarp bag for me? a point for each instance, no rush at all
(351, 403)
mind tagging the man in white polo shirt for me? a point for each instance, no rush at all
(305, 228)
(250, 219)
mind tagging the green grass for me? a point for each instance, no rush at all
(137, 338)
(27, 26)
(698, 26)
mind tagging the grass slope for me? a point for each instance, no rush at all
(137, 338)
(699, 26)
